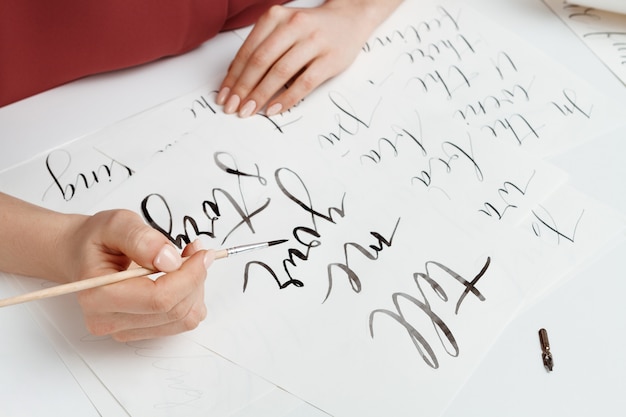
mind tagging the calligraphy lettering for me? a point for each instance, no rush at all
(68, 190)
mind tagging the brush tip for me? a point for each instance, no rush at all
(276, 242)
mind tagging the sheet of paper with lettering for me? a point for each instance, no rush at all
(418, 215)
(602, 31)
(439, 68)
(70, 178)
(375, 291)
(373, 286)
(386, 295)
(428, 102)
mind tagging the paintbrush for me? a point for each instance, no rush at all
(119, 276)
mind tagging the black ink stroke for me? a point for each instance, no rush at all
(498, 64)
(353, 277)
(270, 271)
(421, 344)
(281, 175)
(453, 155)
(550, 223)
(571, 106)
(506, 194)
(348, 121)
(415, 31)
(203, 104)
(308, 236)
(86, 181)
(435, 51)
(515, 124)
(581, 12)
(482, 107)
(212, 209)
(393, 143)
(443, 332)
(452, 81)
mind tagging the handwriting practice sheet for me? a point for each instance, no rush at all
(419, 213)
(152, 378)
(392, 280)
(602, 31)
(68, 179)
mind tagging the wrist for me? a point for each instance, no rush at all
(34, 239)
(65, 242)
(369, 13)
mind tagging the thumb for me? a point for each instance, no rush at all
(168, 259)
(141, 243)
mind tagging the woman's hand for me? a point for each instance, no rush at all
(138, 308)
(298, 47)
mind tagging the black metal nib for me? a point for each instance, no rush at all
(546, 354)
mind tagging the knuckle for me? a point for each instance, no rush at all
(283, 70)
(193, 319)
(190, 324)
(121, 216)
(162, 302)
(275, 11)
(122, 219)
(244, 54)
(137, 236)
(299, 19)
(259, 59)
(96, 323)
(99, 327)
(178, 312)
(307, 81)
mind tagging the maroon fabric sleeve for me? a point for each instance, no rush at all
(47, 43)
(246, 12)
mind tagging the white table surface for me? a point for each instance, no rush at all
(586, 324)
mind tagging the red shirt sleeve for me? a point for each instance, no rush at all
(47, 43)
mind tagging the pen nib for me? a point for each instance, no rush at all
(546, 354)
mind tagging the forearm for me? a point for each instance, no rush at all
(34, 240)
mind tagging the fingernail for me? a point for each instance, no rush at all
(247, 108)
(232, 104)
(197, 245)
(221, 96)
(209, 257)
(167, 259)
(274, 109)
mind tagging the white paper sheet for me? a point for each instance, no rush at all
(171, 376)
(24, 352)
(304, 308)
(300, 312)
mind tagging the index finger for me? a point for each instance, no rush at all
(261, 30)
